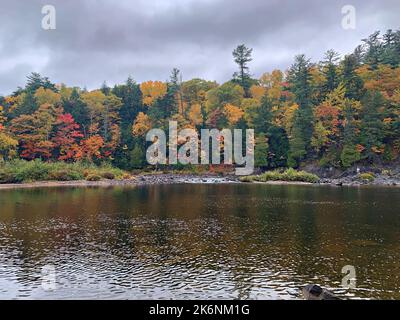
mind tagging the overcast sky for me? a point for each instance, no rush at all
(97, 40)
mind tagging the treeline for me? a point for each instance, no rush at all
(338, 111)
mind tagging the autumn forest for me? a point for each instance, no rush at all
(336, 112)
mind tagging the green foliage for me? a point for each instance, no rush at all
(299, 78)
(351, 80)
(8, 147)
(64, 175)
(263, 116)
(278, 145)
(367, 176)
(194, 90)
(18, 171)
(131, 97)
(297, 150)
(261, 151)
(137, 157)
(287, 175)
(349, 156)
(330, 71)
(93, 177)
(229, 92)
(371, 124)
(35, 81)
(77, 108)
(248, 179)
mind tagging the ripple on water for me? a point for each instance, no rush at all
(226, 242)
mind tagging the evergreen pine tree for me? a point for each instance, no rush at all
(371, 124)
(261, 151)
(299, 79)
(349, 154)
(351, 81)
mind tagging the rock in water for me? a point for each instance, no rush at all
(315, 292)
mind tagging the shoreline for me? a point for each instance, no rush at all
(140, 180)
(174, 178)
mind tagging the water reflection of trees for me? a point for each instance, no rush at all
(255, 237)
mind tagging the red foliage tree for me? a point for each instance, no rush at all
(91, 148)
(66, 137)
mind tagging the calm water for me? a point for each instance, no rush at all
(199, 241)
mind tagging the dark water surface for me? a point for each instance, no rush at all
(199, 241)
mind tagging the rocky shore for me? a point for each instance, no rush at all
(139, 180)
(356, 180)
(381, 178)
(358, 175)
(171, 178)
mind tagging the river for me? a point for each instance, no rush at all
(198, 241)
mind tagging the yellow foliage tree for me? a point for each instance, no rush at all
(250, 107)
(272, 82)
(194, 115)
(94, 102)
(152, 90)
(257, 92)
(8, 145)
(47, 96)
(141, 125)
(233, 113)
(288, 117)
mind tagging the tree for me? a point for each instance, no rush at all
(250, 106)
(228, 93)
(35, 81)
(152, 90)
(75, 106)
(242, 56)
(390, 54)
(175, 89)
(8, 144)
(104, 117)
(137, 157)
(194, 91)
(350, 153)
(34, 132)
(300, 139)
(233, 114)
(351, 80)
(131, 96)
(43, 95)
(263, 116)
(66, 138)
(373, 52)
(261, 151)
(278, 147)
(91, 148)
(257, 92)
(3, 118)
(216, 119)
(329, 70)
(141, 125)
(195, 115)
(24, 103)
(328, 121)
(111, 122)
(371, 136)
(105, 88)
(273, 85)
(297, 146)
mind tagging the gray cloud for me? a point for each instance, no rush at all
(109, 40)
